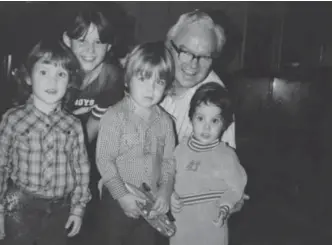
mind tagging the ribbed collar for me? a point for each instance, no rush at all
(197, 146)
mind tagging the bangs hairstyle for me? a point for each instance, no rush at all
(213, 93)
(149, 59)
(48, 51)
(85, 14)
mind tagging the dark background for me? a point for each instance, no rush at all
(277, 64)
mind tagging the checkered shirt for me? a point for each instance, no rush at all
(132, 150)
(44, 155)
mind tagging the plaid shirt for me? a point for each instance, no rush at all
(132, 150)
(44, 155)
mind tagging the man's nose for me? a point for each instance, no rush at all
(194, 62)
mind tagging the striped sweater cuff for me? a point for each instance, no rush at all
(201, 198)
(97, 112)
(116, 188)
(77, 210)
(224, 210)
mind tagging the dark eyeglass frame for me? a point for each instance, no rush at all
(193, 56)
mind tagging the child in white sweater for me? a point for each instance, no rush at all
(209, 178)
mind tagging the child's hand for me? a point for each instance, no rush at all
(2, 226)
(129, 206)
(75, 222)
(222, 215)
(176, 202)
(161, 205)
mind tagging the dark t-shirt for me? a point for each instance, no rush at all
(96, 98)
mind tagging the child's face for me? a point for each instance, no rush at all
(89, 50)
(207, 123)
(146, 91)
(49, 81)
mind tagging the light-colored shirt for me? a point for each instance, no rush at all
(178, 107)
(208, 179)
(44, 155)
(132, 150)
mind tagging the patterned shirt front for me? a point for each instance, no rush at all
(132, 150)
(44, 155)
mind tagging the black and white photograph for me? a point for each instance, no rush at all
(165, 123)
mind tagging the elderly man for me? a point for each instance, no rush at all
(194, 41)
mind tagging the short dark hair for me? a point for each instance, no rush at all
(53, 51)
(150, 57)
(213, 93)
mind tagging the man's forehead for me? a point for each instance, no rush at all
(197, 31)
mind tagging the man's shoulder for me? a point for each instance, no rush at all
(165, 115)
(212, 77)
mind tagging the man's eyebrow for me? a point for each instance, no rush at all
(47, 62)
(184, 48)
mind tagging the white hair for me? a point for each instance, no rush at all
(201, 20)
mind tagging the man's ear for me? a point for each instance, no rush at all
(66, 39)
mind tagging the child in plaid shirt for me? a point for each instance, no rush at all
(44, 168)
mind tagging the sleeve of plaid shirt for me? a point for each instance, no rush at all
(5, 155)
(168, 168)
(108, 145)
(81, 194)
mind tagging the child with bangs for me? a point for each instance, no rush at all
(44, 167)
(135, 145)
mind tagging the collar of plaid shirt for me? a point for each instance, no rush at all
(132, 110)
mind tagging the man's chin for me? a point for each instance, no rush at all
(188, 83)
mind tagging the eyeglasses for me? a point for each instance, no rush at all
(186, 56)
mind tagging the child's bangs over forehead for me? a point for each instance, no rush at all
(53, 52)
(147, 69)
(87, 16)
(150, 59)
